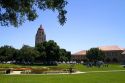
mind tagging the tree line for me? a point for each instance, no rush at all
(47, 52)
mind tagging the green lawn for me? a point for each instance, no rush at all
(101, 77)
(110, 77)
(64, 66)
(84, 68)
(110, 67)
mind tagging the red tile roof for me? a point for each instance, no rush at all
(83, 52)
(103, 48)
(109, 48)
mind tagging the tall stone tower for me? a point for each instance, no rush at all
(40, 36)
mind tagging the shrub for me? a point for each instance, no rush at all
(55, 68)
(39, 70)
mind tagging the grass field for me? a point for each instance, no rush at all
(92, 77)
(79, 67)
(110, 77)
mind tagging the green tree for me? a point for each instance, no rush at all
(95, 54)
(16, 12)
(42, 52)
(7, 53)
(16, 56)
(64, 55)
(52, 51)
(68, 55)
(28, 54)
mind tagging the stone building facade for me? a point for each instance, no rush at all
(40, 36)
(79, 56)
(112, 54)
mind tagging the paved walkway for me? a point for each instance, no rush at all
(78, 72)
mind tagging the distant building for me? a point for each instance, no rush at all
(112, 54)
(40, 36)
(79, 56)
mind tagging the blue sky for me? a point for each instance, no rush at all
(90, 23)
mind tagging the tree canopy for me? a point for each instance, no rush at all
(45, 52)
(95, 54)
(16, 12)
(50, 51)
(7, 53)
(28, 54)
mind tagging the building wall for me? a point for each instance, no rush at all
(40, 36)
(110, 56)
(78, 57)
(113, 56)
